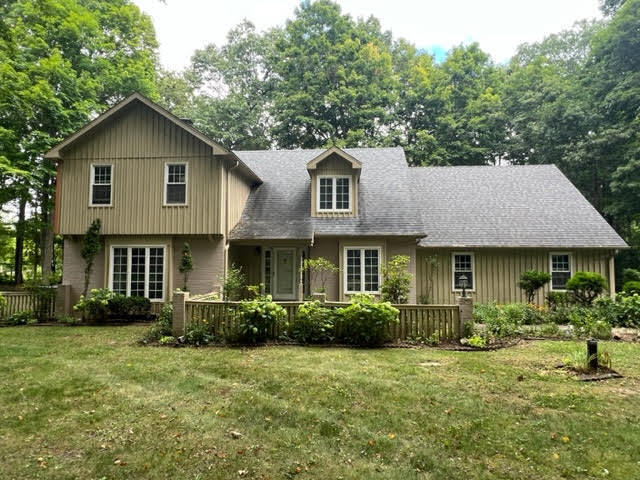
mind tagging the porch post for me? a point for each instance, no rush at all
(465, 314)
(180, 321)
(612, 277)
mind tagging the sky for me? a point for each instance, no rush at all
(499, 26)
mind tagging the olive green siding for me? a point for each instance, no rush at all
(334, 165)
(496, 272)
(238, 190)
(138, 142)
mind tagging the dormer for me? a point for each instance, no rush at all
(335, 176)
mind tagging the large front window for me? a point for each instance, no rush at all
(463, 271)
(138, 271)
(334, 194)
(560, 270)
(362, 272)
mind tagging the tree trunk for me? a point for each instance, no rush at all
(18, 259)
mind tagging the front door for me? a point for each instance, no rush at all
(285, 274)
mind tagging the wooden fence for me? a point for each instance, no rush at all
(415, 321)
(42, 308)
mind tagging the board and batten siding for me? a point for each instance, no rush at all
(138, 142)
(497, 272)
(334, 165)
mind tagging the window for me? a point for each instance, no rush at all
(462, 264)
(560, 270)
(176, 184)
(101, 185)
(334, 193)
(362, 272)
(266, 258)
(138, 271)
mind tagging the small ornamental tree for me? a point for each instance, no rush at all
(531, 281)
(320, 268)
(89, 251)
(396, 282)
(233, 283)
(586, 286)
(186, 264)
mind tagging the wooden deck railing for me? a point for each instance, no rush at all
(415, 321)
(43, 308)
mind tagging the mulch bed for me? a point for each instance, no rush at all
(602, 373)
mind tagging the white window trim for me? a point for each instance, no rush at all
(551, 254)
(146, 270)
(92, 177)
(453, 271)
(186, 184)
(333, 194)
(362, 281)
(263, 270)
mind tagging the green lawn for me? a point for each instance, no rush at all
(89, 403)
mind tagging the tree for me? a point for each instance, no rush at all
(396, 283)
(91, 245)
(586, 286)
(186, 264)
(320, 268)
(531, 281)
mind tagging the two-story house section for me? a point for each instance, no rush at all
(156, 182)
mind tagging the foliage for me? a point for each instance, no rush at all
(365, 321)
(21, 318)
(314, 323)
(198, 333)
(89, 251)
(396, 282)
(68, 320)
(631, 287)
(497, 323)
(627, 310)
(531, 281)
(557, 300)
(233, 283)
(44, 297)
(549, 330)
(162, 327)
(123, 307)
(95, 307)
(186, 264)
(630, 275)
(586, 286)
(257, 318)
(320, 268)
(587, 323)
(167, 340)
(577, 359)
(477, 341)
(3, 302)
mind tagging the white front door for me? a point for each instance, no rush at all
(284, 287)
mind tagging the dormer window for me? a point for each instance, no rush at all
(334, 193)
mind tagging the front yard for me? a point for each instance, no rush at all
(87, 402)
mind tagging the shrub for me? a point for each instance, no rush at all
(499, 322)
(96, 307)
(186, 264)
(3, 302)
(314, 323)
(586, 286)
(531, 281)
(21, 318)
(319, 269)
(233, 283)
(198, 333)
(631, 287)
(587, 323)
(257, 318)
(162, 327)
(44, 297)
(549, 330)
(477, 341)
(630, 275)
(366, 322)
(627, 308)
(167, 340)
(557, 300)
(68, 320)
(396, 282)
(123, 307)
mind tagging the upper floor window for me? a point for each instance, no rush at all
(362, 272)
(101, 185)
(560, 270)
(175, 184)
(462, 264)
(334, 193)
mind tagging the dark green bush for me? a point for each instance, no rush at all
(314, 323)
(21, 318)
(128, 308)
(94, 308)
(531, 281)
(631, 287)
(396, 283)
(586, 286)
(630, 275)
(627, 309)
(366, 322)
(198, 333)
(257, 318)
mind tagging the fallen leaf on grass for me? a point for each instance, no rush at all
(392, 436)
(565, 439)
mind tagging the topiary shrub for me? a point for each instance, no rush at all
(314, 323)
(396, 283)
(531, 281)
(365, 321)
(257, 319)
(586, 286)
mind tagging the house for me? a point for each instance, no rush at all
(156, 182)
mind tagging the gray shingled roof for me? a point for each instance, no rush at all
(280, 207)
(510, 206)
(515, 206)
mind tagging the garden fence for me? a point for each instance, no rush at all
(43, 307)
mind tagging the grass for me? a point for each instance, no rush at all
(87, 402)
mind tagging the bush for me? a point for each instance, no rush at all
(396, 283)
(366, 322)
(21, 318)
(314, 323)
(549, 330)
(477, 341)
(3, 302)
(531, 281)
(627, 308)
(587, 323)
(96, 307)
(631, 287)
(44, 297)
(630, 275)
(198, 333)
(498, 321)
(257, 318)
(233, 283)
(586, 286)
(162, 327)
(557, 300)
(123, 307)
(319, 269)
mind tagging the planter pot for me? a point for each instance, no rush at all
(320, 296)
